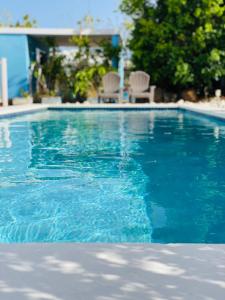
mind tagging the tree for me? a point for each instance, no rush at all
(51, 75)
(179, 42)
(26, 22)
(89, 67)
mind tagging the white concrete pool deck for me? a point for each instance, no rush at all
(112, 271)
(21, 109)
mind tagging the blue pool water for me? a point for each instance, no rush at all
(97, 176)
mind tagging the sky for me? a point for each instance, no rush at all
(62, 13)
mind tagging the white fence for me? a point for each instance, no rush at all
(3, 82)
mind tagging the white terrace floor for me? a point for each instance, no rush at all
(112, 272)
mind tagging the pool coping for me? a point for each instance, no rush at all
(14, 111)
(200, 109)
(204, 110)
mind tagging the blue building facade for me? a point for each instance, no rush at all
(15, 49)
(115, 43)
(20, 50)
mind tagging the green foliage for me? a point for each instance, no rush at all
(51, 75)
(109, 52)
(88, 78)
(24, 94)
(179, 42)
(26, 22)
(91, 65)
(53, 71)
(134, 8)
(74, 78)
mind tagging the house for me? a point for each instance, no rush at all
(22, 46)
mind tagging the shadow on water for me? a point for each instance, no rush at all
(183, 158)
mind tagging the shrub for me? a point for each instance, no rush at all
(179, 42)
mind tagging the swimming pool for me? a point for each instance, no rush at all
(107, 176)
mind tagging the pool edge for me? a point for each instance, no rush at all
(198, 109)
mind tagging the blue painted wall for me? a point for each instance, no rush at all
(15, 49)
(115, 43)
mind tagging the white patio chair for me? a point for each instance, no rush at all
(111, 88)
(139, 87)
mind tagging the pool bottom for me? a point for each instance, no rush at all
(113, 177)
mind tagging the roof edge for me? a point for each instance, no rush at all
(56, 31)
